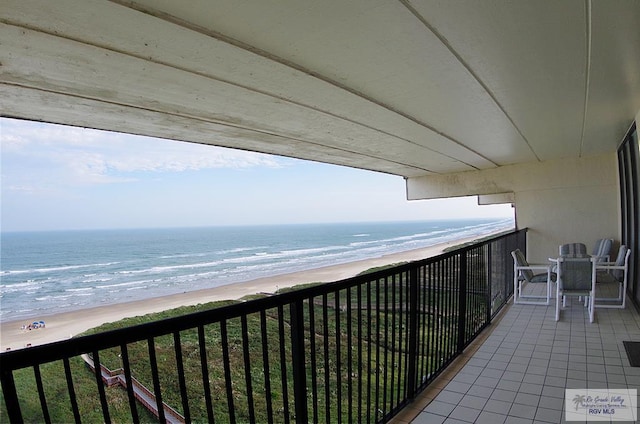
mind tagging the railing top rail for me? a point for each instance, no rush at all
(12, 360)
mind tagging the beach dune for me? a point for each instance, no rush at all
(68, 324)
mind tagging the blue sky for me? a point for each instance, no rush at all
(56, 177)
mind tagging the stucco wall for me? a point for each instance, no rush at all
(560, 201)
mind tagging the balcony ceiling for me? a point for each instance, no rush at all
(409, 88)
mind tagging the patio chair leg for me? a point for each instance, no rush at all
(620, 292)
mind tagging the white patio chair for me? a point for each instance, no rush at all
(614, 273)
(602, 249)
(523, 274)
(574, 250)
(576, 278)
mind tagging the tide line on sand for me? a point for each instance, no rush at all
(67, 324)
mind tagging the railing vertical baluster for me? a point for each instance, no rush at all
(469, 285)
(43, 399)
(468, 301)
(378, 365)
(407, 341)
(402, 309)
(400, 350)
(10, 395)
(483, 282)
(489, 296)
(462, 300)
(247, 368)
(440, 335)
(386, 346)
(439, 342)
(507, 271)
(486, 285)
(327, 375)
(443, 310)
(71, 389)
(474, 286)
(338, 358)
(413, 332)
(312, 353)
(394, 288)
(406, 318)
(448, 287)
(283, 365)
(369, 343)
(205, 374)
(474, 293)
(127, 375)
(101, 392)
(424, 313)
(181, 378)
(431, 321)
(478, 290)
(455, 306)
(349, 359)
(449, 274)
(454, 291)
(296, 310)
(227, 370)
(265, 360)
(359, 324)
(422, 326)
(156, 379)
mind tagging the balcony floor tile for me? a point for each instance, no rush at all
(517, 373)
(465, 413)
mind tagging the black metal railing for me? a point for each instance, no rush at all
(359, 349)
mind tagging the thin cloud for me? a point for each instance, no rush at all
(86, 156)
(23, 189)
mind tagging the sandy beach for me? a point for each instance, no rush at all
(67, 324)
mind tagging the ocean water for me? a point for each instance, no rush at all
(42, 273)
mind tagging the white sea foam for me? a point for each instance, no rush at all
(240, 250)
(82, 289)
(137, 288)
(52, 297)
(125, 284)
(21, 286)
(97, 280)
(56, 268)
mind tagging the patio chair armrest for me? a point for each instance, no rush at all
(532, 267)
(609, 267)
